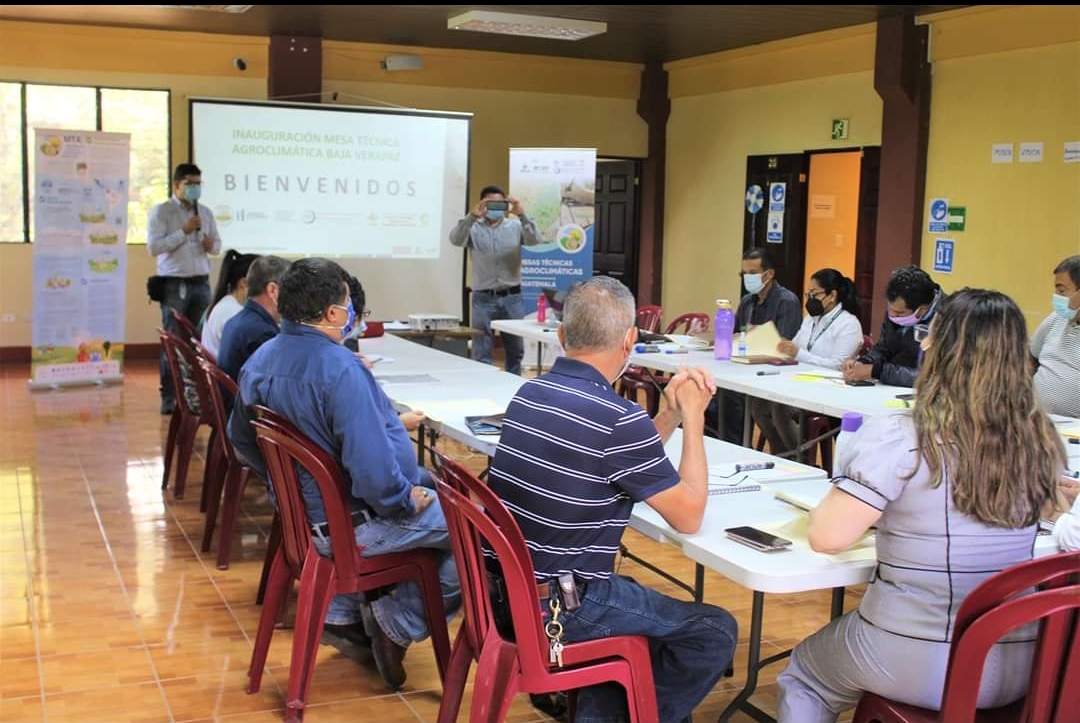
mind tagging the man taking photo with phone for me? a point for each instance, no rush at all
(496, 240)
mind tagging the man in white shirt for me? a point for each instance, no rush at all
(182, 234)
(1055, 345)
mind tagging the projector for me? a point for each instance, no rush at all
(433, 322)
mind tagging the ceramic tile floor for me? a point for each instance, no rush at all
(108, 611)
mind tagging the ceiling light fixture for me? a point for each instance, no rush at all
(533, 26)
(233, 9)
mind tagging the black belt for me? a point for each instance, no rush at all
(359, 517)
(507, 291)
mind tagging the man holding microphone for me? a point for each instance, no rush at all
(181, 234)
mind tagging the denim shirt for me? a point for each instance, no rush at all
(322, 388)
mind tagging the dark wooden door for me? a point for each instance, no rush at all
(615, 241)
(866, 234)
(789, 253)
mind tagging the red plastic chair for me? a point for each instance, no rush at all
(637, 379)
(284, 449)
(203, 352)
(693, 322)
(237, 474)
(634, 379)
(1001, 604)
(648, 317)
(190, 412)
(505, 667)
(187, 329)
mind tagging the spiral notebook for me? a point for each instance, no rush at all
(721, 486)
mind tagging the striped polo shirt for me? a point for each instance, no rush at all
(572, 460)
(1056, 344)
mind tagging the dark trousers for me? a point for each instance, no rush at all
(725, 415)
(690, 644)
(191, 300)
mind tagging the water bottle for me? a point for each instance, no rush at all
(723, 329)
(740, 350)
(849, 425)
(541, 309)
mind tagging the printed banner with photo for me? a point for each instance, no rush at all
(557, 187)
(80, 256)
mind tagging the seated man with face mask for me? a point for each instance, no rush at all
(1055, 345)
(307, 376)
(913, 298)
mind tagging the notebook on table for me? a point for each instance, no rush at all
(761, 343)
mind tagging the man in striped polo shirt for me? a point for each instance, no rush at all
(573, 459)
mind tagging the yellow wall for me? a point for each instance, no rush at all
(832, 200)
(711, 132)
(535, 102)
(1007, 76)
(1001, 74)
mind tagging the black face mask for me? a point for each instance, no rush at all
(814, 307)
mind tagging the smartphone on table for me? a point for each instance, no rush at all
(758, 539)
(861, 383)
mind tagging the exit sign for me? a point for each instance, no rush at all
(957, 218)
(840, 129)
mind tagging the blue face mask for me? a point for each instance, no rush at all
(351, 320)
(754, 282)
(1061, 306)
(495, 215)
(192, 193)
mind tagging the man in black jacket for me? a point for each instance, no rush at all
(913, 298)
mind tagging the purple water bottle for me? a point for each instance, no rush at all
(723, 329)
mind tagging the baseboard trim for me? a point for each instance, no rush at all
(132, 352)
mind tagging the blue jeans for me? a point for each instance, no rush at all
(691, 645)
(486, 308)
(401, 613)
(192, 304)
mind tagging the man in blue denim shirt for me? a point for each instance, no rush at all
(573, 459)
(496, 242)
(306, 375)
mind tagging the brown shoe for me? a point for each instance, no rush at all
(388, 654)
(350, 640)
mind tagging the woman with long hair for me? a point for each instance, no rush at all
(229, 297)
(830, 335)
(955, 489)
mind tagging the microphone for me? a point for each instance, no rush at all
(195, 208)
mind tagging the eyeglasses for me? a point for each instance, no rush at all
(922, 331)
(365, 313)
(818, 295)
(191, 183)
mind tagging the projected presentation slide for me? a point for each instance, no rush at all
(296, 180)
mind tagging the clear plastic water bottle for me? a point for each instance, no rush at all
(849, 425)
(541, 309)
(723, 329)
(741, 348)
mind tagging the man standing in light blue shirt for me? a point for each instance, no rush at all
(181, 234)
(308, 376)
(496, 242)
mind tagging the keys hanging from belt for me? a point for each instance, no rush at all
(554, 631)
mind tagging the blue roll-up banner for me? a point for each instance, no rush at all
(557, 189)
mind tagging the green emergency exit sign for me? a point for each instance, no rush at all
(957, 218)
(840, 129)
